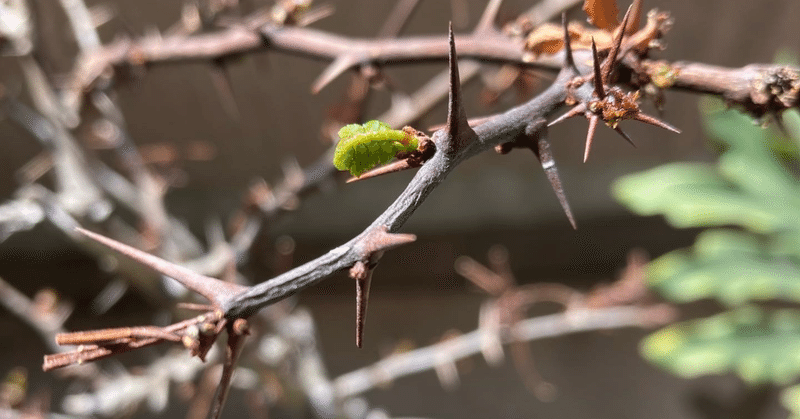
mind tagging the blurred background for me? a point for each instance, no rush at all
(212, 143)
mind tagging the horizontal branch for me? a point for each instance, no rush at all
(424, 359)
(746, 86)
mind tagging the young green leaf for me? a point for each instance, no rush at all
(363, 147)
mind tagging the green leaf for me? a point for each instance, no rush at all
(363, 147)
(758, 346)
(727, 265)
(697, 195)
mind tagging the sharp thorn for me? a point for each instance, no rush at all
(655, 121)
(380, 239)
(362, 298)
(232, 351)
(457, 123)
(608, 65)
(599, 90)
(210, 288)
(569, 59)
(625, 136)
(334, 70)
(593, 122)
(577, 110)
(551, 171)
(397, 166)
(636, 17)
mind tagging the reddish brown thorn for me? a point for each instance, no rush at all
(236, 334)
(577, 110)
(655, 121)
(363, 277)
(379, 239)
(624, 135)
(551, 171)
(594, 120)
(569, 59)
(334, 70)
(393, 167)
(608, 64)
(599, 90)
(210, 288)
(457, 123)
(636, 17)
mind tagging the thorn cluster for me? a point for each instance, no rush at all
(611, 104)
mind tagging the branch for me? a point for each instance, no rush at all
(423, 359)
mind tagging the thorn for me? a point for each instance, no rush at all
(598, 78)
(569, 59)
(551, 171)
(379, 239)
(457, 123)
(488, 16)
(334, 70)
(608, 64)
(222, 84)
(232, 351)
(625, 136)
(655, 121)
(210, 288)
(636, 17)
(397, 166)
(363, 276)
(577, 110)
(593, 121)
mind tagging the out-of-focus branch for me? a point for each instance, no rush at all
(348, 53)
(472, 343)
(45, 314)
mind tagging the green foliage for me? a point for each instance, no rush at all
(760, 347)
(750, 187)
(363, 147)
(750, 200)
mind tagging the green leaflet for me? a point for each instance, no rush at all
(758, 346)
(363, 147)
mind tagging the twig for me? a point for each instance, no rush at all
(424, 359)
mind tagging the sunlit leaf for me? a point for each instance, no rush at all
(758, 346)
